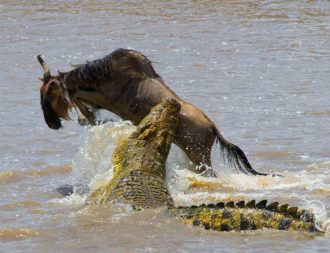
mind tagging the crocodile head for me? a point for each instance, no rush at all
(158, 127)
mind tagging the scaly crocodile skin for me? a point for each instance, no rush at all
(240, 216)
(139, 161)
(139, 177)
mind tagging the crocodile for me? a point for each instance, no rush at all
(139, 180)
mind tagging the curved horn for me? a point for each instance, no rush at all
(44, 66)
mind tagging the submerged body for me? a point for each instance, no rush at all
(125, 83)
(139, 180)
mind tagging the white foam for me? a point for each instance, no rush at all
(92, 167)
(72, 200)
(320, 213)
(326, 226)
(93, 162)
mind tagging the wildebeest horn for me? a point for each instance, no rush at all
(44, 66)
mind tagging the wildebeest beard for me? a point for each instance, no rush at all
(51, 118)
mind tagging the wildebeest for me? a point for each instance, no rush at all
(125, 83)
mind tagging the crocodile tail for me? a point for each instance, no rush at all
(234, 155)
(246, 216)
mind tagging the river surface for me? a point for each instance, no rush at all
(259, 69)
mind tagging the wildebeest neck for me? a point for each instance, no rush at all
(115, 83)
(122, 64)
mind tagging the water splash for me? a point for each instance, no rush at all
(74, 200)
(92, 167)
(93, 161)
(319, 210)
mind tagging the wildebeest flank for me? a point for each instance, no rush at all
(125, 83)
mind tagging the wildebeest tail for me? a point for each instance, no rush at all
(235, 156)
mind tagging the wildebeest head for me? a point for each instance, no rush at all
(54, 98)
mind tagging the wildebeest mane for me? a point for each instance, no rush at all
(120, 64)
(51, 118)
(88, 74)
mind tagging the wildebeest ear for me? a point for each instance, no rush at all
(51, 118)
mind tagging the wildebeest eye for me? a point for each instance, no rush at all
(54, 85)
(49, 91)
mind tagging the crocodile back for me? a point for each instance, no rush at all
(139, 176)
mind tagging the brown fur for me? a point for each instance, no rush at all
(126, 84)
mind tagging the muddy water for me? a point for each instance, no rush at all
(259, 69)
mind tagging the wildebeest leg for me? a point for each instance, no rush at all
(85, 112)
(199, 152)
(88, 116)
(92, 98)
(202, 161)
(65, 190)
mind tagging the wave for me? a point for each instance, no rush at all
(15, 175)
(17, 234)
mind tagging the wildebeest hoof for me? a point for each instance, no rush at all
(65, 190)
(209, 173)
(83, 121)
(276, 175)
